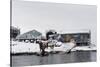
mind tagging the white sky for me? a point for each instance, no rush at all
(61, 17)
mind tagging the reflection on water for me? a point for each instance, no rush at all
(28, 60)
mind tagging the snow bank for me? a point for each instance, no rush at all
(24, 47)
(20, 47)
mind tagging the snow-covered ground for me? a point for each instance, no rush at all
(20, 47)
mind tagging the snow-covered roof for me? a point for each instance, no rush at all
(29, 35)
(74, 31)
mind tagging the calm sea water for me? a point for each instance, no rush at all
(73, 57)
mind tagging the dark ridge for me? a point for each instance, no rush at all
(47, 53)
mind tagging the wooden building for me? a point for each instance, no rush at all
(81, 38)
(29, 36)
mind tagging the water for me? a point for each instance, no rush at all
(73, 57)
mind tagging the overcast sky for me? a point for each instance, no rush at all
(61, 17)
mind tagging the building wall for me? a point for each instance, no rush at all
(81, 39)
